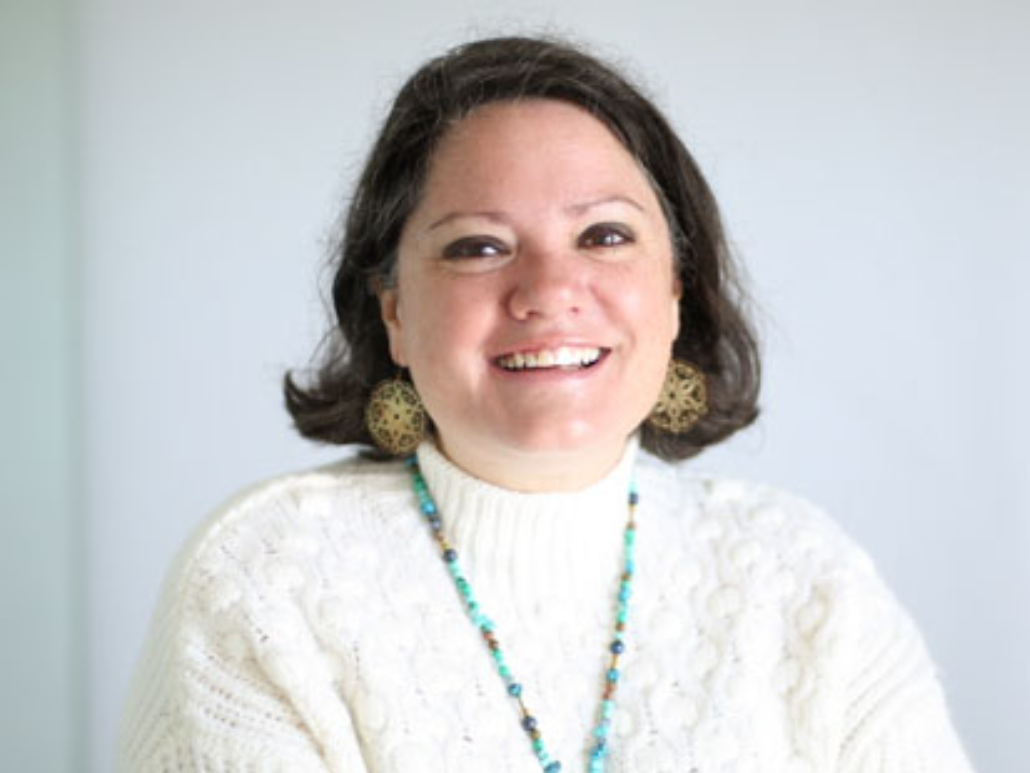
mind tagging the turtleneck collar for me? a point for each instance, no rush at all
(528, 546)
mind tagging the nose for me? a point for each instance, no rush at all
(546, 284)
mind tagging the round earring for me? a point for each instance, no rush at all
(683, 399)
(395, 417)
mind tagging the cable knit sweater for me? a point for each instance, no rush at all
(311, 625)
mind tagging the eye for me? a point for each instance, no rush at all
(606, 235)
(472, 247)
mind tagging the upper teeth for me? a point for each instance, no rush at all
(550, 358)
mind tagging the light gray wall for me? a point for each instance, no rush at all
(871, 161)
(41, 612)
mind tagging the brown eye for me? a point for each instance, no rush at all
(605, 235)
(474, 247)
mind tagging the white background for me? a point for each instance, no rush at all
(871, 160)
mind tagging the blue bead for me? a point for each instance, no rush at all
(613, 675)
(554, 767)
(528, 724)
(515, 689)
(450, 555)
(634, 498)
(618, 647)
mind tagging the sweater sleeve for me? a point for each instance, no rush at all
(896, 718)
(225, 683)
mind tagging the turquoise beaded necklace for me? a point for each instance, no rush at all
(486, 628)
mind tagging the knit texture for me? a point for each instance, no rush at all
(312, 626)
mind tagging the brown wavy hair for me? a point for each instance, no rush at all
(327, 403)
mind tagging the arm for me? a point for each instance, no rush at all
(896, 719)
(231, 681)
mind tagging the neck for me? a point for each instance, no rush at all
(537, 472)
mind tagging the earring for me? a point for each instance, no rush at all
(395, 417)
(683, 399)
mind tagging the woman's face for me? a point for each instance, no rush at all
(536, 303)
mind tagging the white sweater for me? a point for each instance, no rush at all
(311, 625)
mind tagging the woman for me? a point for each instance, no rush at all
(534, 296)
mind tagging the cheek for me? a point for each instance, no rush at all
(444, 325)
(655, 309)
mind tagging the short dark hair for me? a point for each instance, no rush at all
(715, 334)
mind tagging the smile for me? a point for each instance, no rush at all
(571, 357)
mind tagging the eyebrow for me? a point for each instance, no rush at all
(572, 209)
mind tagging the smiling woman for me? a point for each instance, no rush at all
(534, 583)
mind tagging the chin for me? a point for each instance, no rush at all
(548, 441)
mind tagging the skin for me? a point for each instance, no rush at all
(536, 229)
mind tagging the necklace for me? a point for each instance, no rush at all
(486, 628)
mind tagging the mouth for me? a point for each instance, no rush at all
(563, 358)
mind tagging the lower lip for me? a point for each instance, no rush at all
(555, 374)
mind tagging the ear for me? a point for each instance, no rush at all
(390, 312)
(677, 296)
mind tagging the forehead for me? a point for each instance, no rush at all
(539, 145)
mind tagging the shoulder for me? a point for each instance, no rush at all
(752, 526)
(231, 628)
(265, 533)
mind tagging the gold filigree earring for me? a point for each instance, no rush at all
(395, 417)
(683, 399)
